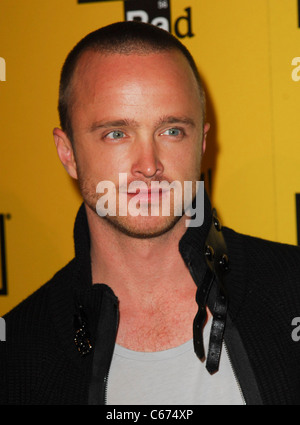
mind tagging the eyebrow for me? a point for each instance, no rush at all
(170, 119)
(165, 120)
(115, 123)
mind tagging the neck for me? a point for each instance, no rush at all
(124, 261)
(155, 289)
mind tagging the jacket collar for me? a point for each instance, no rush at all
(192, 247)
(82, 248)
(192, 244)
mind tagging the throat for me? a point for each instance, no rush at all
(160, 326)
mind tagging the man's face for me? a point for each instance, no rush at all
(139, 115)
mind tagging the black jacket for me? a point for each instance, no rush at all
(60, 340)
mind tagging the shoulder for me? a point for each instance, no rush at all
(33, 325)
(263, 274)
(261, 254)
(39, 340)
(35, 308)
(264, 303)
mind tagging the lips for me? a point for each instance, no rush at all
(142, 191)
(150, 195)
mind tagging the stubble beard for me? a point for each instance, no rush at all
(144, 231)
(140, 227)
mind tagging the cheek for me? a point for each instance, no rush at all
(188, 162)
(95, 167)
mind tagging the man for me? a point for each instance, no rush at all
(150, 311)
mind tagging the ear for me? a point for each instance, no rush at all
(205, 131)
(65, 152)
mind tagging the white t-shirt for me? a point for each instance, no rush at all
(170, 377)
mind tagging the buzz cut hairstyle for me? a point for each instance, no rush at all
(126, 38)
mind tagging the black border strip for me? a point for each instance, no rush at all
(3, 290)
(298, 216)
(96, 1)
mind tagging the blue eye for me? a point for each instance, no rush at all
(173, 132)
(115, 135)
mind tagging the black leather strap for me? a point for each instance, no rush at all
(218, 264)
(200, 319)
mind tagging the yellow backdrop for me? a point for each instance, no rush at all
(247, 52)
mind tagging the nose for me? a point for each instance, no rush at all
(146, 162)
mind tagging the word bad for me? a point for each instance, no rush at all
(158, 13)
(137, 198)
(2, 69)
(142, 16)
(296, 71)
(2, 329)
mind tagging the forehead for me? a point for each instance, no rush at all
(96, 72)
